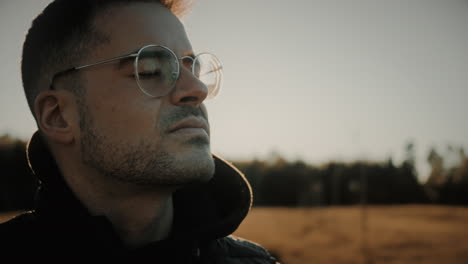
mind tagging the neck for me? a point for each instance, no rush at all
(142, 220)
(138, 214)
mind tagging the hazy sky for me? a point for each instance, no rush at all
(317, 80)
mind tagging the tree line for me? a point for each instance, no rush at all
(278, 182)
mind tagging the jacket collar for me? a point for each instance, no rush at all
(205, 211)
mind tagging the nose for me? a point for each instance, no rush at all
(189, 90)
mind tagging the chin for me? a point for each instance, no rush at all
(197, 167)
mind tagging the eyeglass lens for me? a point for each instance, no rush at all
(158, 70)
(208, 69)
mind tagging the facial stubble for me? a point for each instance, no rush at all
(141, 163)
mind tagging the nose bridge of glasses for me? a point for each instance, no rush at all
(187, 62)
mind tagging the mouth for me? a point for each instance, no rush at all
(191, 125)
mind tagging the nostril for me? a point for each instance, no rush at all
(188, 99)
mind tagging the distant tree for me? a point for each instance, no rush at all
(410, 155)
(254, 171)
(448, 185)
(455, 189)
(386, 184)
(407, 188)
(282, 183)
(437, 177)
(285, 183)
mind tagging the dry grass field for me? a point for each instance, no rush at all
(395, 234)
(332, 235)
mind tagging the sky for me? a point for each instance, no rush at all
(317, 80)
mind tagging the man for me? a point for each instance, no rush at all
(123, 149)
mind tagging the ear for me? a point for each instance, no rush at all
(53, 111)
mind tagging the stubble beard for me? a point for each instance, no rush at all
(139, 163)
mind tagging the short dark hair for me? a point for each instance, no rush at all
(62, 35)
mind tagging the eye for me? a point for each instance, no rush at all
(147, 75)
(149, 68)
(149, 65)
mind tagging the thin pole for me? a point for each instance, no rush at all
(364, 217)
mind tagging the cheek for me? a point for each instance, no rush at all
(124, 118)
(120, 110)
(134, 122)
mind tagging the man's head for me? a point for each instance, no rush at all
(99, 114)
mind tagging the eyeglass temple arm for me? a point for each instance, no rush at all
(105, 61)
(89, 65)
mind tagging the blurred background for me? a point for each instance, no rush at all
(348, 118)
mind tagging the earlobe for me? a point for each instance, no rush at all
(52, 120)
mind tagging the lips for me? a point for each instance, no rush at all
(189, 123)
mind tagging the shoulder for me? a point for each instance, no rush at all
(17, 236)
(17, 228)
(18, 222)
(239, 250)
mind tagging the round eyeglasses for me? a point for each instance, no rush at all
(157, 69)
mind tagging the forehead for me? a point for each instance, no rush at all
(131, 26)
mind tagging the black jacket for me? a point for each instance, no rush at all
(61, 229)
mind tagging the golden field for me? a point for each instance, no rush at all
(333, 235)
(394, 234)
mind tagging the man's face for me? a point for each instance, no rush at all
(129, 136)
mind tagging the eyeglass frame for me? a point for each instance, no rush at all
(135, 65)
